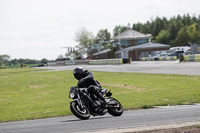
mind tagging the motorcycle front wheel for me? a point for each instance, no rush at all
(82, 114)
(117, 110)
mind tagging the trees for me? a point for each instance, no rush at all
(159, 25)
(188, 34)
(138, 27)
(163, 37)
(4, 59)
(103, 35)
(171, 31)
(44, 61)
(119, 29)
(85, 39)
(183, 37)
(73, 54)
(194, 33)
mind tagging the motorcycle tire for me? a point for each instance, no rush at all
(116, 111)
(81, 114)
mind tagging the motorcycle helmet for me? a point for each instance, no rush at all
(78, 73)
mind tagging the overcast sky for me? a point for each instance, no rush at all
(37, 29)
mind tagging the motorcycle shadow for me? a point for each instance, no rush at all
(93, 118)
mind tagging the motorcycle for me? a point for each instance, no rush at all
(82, 108)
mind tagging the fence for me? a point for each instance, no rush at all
(186, 58)
(51, 64)
(67, 62)
(167, 58)
(195, 57)
(106, 61)
(81, 62)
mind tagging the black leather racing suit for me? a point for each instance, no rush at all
(87, 81)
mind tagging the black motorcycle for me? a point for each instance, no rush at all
(82, 108)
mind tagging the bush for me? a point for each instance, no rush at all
(23, 65)
(2, 67)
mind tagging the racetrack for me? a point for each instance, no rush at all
(130, 119)
(160, 67)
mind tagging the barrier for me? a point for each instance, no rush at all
(51, 64)
(106, 61)
(187, 58)
(195, 57)
(69, 62)
(81, 62)
(114, 61)
(166, 58)
(60, 63)
(144, 59)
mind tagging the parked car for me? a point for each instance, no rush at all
(156, 57)
(176, 53)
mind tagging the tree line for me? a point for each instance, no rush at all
(6, 61)
(176, 31)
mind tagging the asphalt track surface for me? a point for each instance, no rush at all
(159, 67)
(129, 119)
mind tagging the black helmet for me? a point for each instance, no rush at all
(78, 73)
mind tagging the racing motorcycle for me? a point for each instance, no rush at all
(82, 108)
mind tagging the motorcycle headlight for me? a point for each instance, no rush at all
(72, 95)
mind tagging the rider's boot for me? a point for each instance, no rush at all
(99, 95)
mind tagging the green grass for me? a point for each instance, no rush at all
(26, 94)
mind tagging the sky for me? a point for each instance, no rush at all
(37, 29)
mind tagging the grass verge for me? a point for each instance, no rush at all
(28, 95)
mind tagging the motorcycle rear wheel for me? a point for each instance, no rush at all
(81, 114)
(116, 111)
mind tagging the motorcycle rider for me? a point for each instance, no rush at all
(86, 80)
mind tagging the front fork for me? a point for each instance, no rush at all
(78, 100)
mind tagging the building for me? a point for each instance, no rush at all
(125, 39)
(130, 38)
(104, 54)
(130, 44)
(143, 50)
